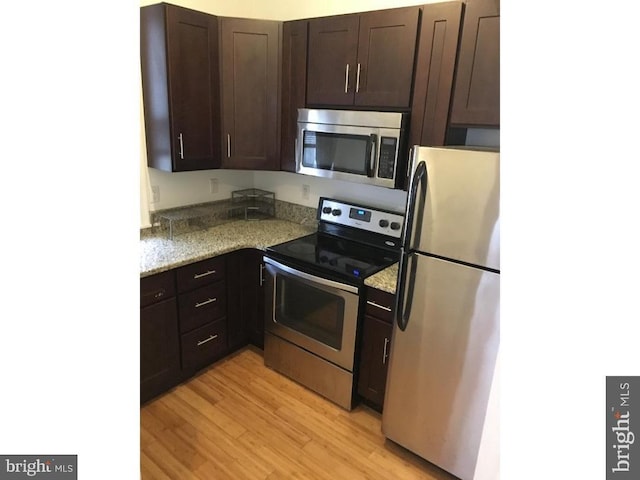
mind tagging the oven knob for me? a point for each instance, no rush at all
(326, 210)
(333, 262)
(383, 223)
(336, 212)
(395, 226)
(324, 259)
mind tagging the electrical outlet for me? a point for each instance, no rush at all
(155, 191)
(213, 185)
(305, 191)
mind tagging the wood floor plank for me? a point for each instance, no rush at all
(225, 454)
(241, 420)
(149, 470)
(216, 415)
(165, 461)
(284, 459)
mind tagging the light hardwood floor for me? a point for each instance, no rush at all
(240, 420)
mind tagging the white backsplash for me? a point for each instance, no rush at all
(290, 188)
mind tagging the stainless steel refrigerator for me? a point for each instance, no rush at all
(446, 332)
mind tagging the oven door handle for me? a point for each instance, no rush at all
(312, 278)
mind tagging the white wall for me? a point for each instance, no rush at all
(289, 187)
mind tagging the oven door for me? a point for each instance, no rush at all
(314, 313)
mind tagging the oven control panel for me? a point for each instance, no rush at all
(364, 218)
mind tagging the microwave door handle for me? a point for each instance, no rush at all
(372, 158)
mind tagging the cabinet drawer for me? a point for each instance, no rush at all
(204, 344)
(380, 304)
(156, 288)
(201, 306)
(200, 274)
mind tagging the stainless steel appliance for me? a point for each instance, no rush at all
(314, 294)
(446, 335)
(357, 146)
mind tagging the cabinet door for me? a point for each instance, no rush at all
(294, 81)
(250, 53)
(435, 66)
(333, 47)
(245, 303)
(376, 339)
(159, 348)
(237, 300)
(255, 314)
(180, 83)
(476, 99)
(386, 50)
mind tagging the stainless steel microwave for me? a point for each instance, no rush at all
(356, 146)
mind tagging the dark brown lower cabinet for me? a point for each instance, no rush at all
(194, 315)
(376, 339)
(375, 346)
(203, 345)
(159, 338)
(245, 303)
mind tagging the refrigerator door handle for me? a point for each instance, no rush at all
(404, 299)
(418, 179)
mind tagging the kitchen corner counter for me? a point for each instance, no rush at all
(158, 253)
(384, 280)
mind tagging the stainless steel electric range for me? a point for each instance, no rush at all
(314, 289)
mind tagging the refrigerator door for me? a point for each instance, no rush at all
(442, 365)
(459, 215)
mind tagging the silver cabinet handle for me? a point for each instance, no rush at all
(346, 79)
(228, 145)
(206, 302)
(181, 147)
(384, 351)
(211, 337)
(261, 274)
(374, 304)
(159, 293)
(200, 275)
(358, 79)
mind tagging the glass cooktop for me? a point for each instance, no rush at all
(345, 257)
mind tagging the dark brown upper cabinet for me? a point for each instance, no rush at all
(435, 67)
(250, 92)
(476, 99)
(363, 59)
(180, 86)
(294, 82)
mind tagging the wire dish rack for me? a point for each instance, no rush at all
(189, 219)
(252, 204)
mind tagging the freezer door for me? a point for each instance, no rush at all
(442, 365)
(459, 218)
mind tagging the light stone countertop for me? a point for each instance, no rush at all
(384, 280)
(158, 253)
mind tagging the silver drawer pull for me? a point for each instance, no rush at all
(200, 275)
(211, 337)
(159, 294)
(384, 352)
(206, 302)
(346, 79)
(386, 309)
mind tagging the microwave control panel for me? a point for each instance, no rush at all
(387, 162)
